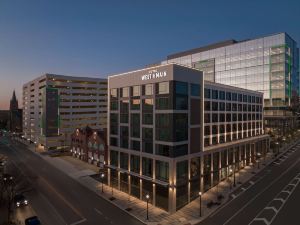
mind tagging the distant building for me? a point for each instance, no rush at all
(172, 134)
(55, 105)
(15, 115)
(4, 117)
(267, 64)
(90, 145)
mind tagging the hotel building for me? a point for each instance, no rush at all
(55, 105)
(268, 64)
(172, 134)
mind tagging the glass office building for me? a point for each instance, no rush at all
(268, 64)
(172, 134)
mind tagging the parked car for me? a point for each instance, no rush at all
(20, 200)
(34, 220)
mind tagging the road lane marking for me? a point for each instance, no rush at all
(283, 201)
(98, 211)
(261, 219)
(78, 222)
(256, 196)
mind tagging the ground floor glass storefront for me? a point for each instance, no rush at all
(190, 175)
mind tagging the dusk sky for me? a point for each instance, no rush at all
(98, 38)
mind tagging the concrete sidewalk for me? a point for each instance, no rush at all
(189, 214)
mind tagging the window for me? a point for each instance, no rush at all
(222, 95)
(135, 163)
(163, 103)
(234, 96)
(135, 125)
(114, 158)
(114, 93)
(181, 102)
(215, 106)
(124, 160)
(148, 104)
(181, 88)
(195, 90)
(149, 89)
(163, 88)
(207, 105)
(206, 93)
(147, 118)
(214, 117)
(124, 137)
(136, 91)
(228, 107)
(207, 130)
(214, 94)
(135, 104)
(228, 96)
(125, 92)
(206, 118)
(222, 106)
(135, 145)
(113, 105)
(162, 170)
(164, 127)
(147, 165)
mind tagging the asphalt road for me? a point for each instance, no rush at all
(271, 197)
(55, 197)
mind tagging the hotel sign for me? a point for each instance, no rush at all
(154, 74)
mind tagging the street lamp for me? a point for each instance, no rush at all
(277, 144)
(102, 178)
(147, 198)
(230, 170)
(200, 203)
(234, 175)
(258, 158)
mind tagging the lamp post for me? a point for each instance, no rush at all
(277, 144)
(230, 170)
(102, 178)
(35, 145)
(147, 198)
(234, 175)
(200, 203)
(258, 158)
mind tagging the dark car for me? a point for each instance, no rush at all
(20, 200)
(32, 221)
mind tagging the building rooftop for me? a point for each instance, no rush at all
(212, 46)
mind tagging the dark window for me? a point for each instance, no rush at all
(222, 95)
(147, 167)
(135, 163)
(181, 88)
(195, 89)
(228, 117)
(206, 118)
(124, 160)
(207, 93)
(222, 117)
(163, 103)
(135, 125)
(214, 94)
(147, 118)
(207, 130)
(162, 170)
(214, 129)
(135, 145)
(222, 106)
(214, 117)
(207, 105)
(234, 97)
(228, 106)
(215, 106)
(228, 96)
